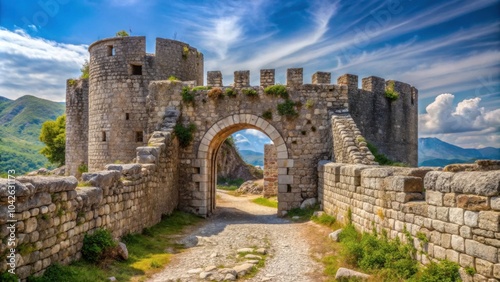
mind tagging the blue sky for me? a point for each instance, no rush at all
(449, 50)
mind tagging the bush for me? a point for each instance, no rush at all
(184, 134)
(122, 33)
(185, 52)
(444, 271)
(96, 245)
(277, 90)
(230, 92)
(187, 96)
(250, 92)
(173, 78)
(267, 114)
(8, 277)
(287, 109)
(83, 168)
(215, 93)
(390, 93)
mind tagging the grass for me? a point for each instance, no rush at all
(271, 202)
(303, 214)
(147, 255)
(229, 184)
(381, 158)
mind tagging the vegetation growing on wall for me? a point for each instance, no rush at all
(250, 92)
(390, 93)
(267, 115)
(287, 109)
(185, 52)
(184, 134)
(85, 70)
(215, 93)
(230, 92)
(277, 90)
(97, 245)
(122, 33)
(379, 157)
(187, 95)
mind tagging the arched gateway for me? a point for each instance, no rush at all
(213, 139)
(128, 108)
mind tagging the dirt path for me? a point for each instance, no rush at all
(239, 223)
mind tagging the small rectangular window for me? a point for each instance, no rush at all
(104, 136)
(136, 70)
(127, 116)
(288, 188)
(139, 137)
(111, 50)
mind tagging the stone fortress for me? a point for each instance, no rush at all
(120, 124)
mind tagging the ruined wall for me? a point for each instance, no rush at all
(270, 171)
(389, 125)
(458, 212)
(53, 214)
(120, 73)
(77, 127)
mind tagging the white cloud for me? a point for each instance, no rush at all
(256, 133)
(468, 116)
(36, 66)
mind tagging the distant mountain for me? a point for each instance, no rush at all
(435, 152)
(251, 146)
(20, 124)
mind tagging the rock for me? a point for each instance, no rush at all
(253, 261)
(251, 187)
(243, 268)
(250, 256)
(210, 268)
(228, 271)
(230, 277)
(261, 251)
(245, 250)
(335, 235)
(318, 213)
(296, 217)
(102, 179)
(308, 203)
(112, 278)
(195, 271)
(122, 250)
(348, 273)
(214, 255)
(204, 275)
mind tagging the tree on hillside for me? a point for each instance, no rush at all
(53, 134)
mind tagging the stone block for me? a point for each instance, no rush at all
(466, 260)
(452, 256)
(295, 77)
(495, 203)
(472, 202)
(471, 218)
(350, 80)
(480, 250)
(483, 183)
(439, 252)
(496, 270)
(434, 198)
(457, 215)
(489, 220)
(484, 267)
(458, 243)
(321, 78)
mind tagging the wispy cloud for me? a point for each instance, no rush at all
(35, 66)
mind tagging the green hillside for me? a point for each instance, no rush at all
(20, 124)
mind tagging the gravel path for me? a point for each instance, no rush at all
(239, 223)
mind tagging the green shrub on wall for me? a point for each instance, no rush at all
(184, 134)
(287, 109)
(250, 92)
(267, 115)
(390, 93)
(277, 90)
(187, 95)
(230, 92)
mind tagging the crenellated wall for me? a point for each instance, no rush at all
(53, 214)
(458, 212)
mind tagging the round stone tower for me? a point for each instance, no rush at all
(120, 73)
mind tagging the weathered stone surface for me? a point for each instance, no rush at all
(125, 169)
(102, 179)
(345, 273)
(480, 250)
(335, 235)
(50, 184)
(479, 183)
(242, 269)
(308, 203)
(489, 220)
(122, 251)
(472, 202)
(90, 196)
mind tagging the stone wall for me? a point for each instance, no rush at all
(389, 125)
(270, 171)
(53, 214)
(77, 126)
(458, 212)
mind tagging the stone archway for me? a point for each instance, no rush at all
(205, 178)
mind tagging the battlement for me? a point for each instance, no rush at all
(295, 78)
